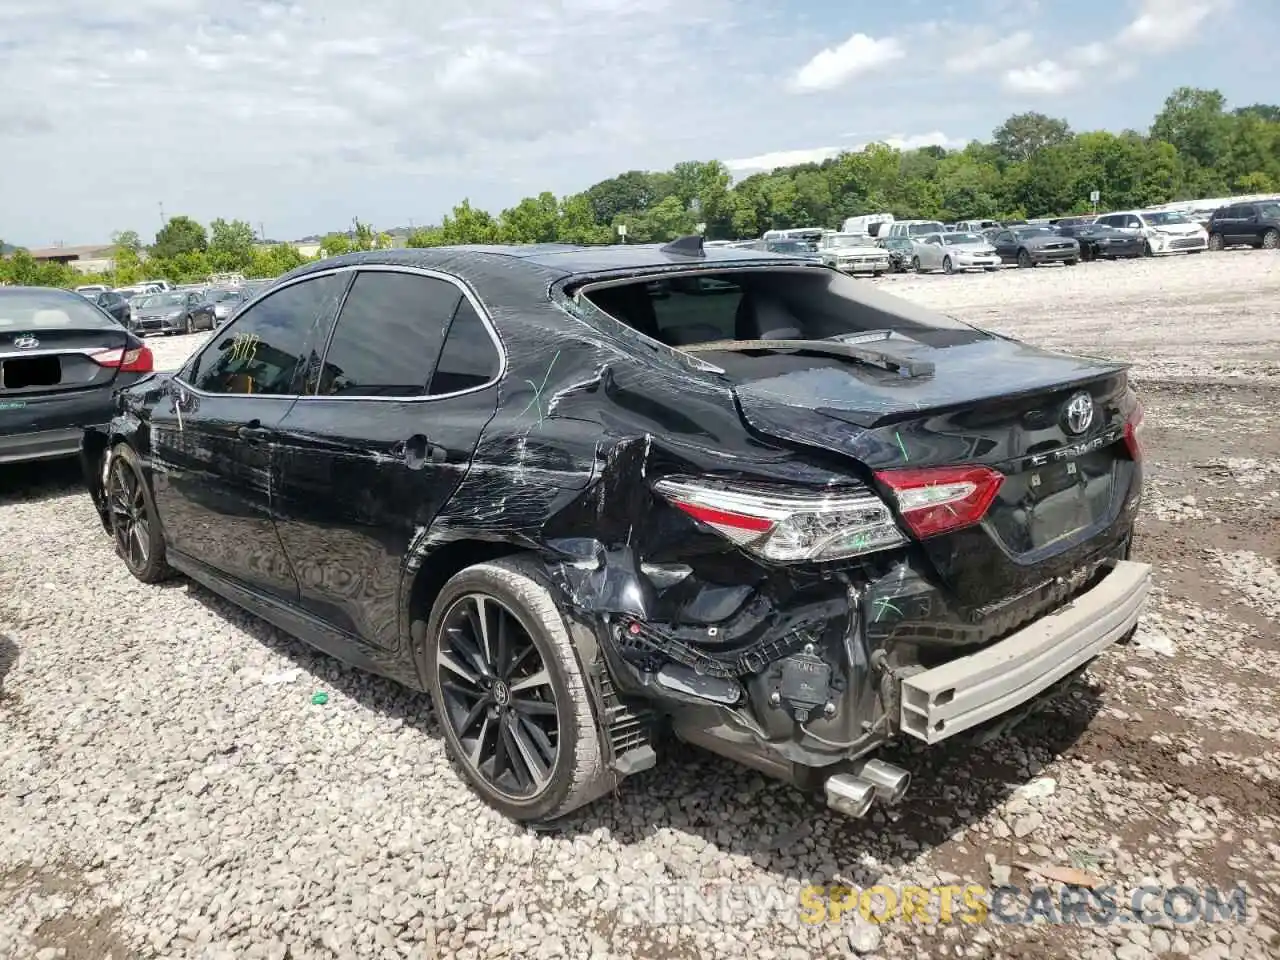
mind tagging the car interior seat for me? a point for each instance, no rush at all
(630, 304)
(764, 317)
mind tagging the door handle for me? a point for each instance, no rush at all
(253, 432)
(416, 451)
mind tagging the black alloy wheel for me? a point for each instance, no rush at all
(497, 697)
(138, 538)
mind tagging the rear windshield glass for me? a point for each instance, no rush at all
(34, 310)
(770, 304)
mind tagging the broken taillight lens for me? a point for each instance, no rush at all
(934, 500)
(137, 360)
(786, 526)
(1133, 432)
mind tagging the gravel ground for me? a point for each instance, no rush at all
(168, 788)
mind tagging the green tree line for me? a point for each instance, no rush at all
(1033, 165)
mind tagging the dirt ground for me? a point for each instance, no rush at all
(1161, 767)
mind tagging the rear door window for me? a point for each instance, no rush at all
(388, 336)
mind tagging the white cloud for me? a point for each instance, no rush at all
(1090, 54)
(788, 158)
(780, 158)
(991, 55)
(1047, 77)
(1164, 25)
(834, 66)
(916, 141)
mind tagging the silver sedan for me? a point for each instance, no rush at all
(953, 252)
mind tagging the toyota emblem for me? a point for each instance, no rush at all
(1079, 413)
(26, 342)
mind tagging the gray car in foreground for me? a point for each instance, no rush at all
(1031, 245)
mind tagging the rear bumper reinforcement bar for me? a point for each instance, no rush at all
(949, 699)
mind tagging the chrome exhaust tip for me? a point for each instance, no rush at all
(890, 782)
(849, 795)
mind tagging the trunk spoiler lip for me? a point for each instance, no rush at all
(883, 412)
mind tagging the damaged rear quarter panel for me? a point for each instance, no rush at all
(588, 413)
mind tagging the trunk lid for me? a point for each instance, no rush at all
(993, 402)
(44, 360)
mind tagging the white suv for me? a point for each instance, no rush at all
(1166, 231)
(913, 229)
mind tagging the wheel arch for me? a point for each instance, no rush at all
(421, 586)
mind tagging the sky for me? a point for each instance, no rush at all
(298, 115)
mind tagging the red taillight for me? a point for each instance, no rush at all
(727, 522)
(1133, 432)
(137, 360)
(934, 500)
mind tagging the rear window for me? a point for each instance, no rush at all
(768, 304)
(34, 310)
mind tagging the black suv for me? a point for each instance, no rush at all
(1257, 224)
(588, 495)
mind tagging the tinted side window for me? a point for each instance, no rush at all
(388, 336)
(262, 351)
(1246, 211)
(469, 358)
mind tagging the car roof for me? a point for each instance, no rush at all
(489, 265)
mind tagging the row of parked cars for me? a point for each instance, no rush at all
(159, 307)
(926, 245)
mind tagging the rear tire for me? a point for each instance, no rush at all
(135, 525)
(1271, 240)
(510, 692)
(1216, 242)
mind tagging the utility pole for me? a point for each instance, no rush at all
(162, 220)
(262, 232)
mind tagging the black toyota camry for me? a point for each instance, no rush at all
(61, 358)
(588, 497)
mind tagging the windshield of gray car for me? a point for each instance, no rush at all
(221, 296)
(963, 238)
(162, 300)
(1034, 231)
